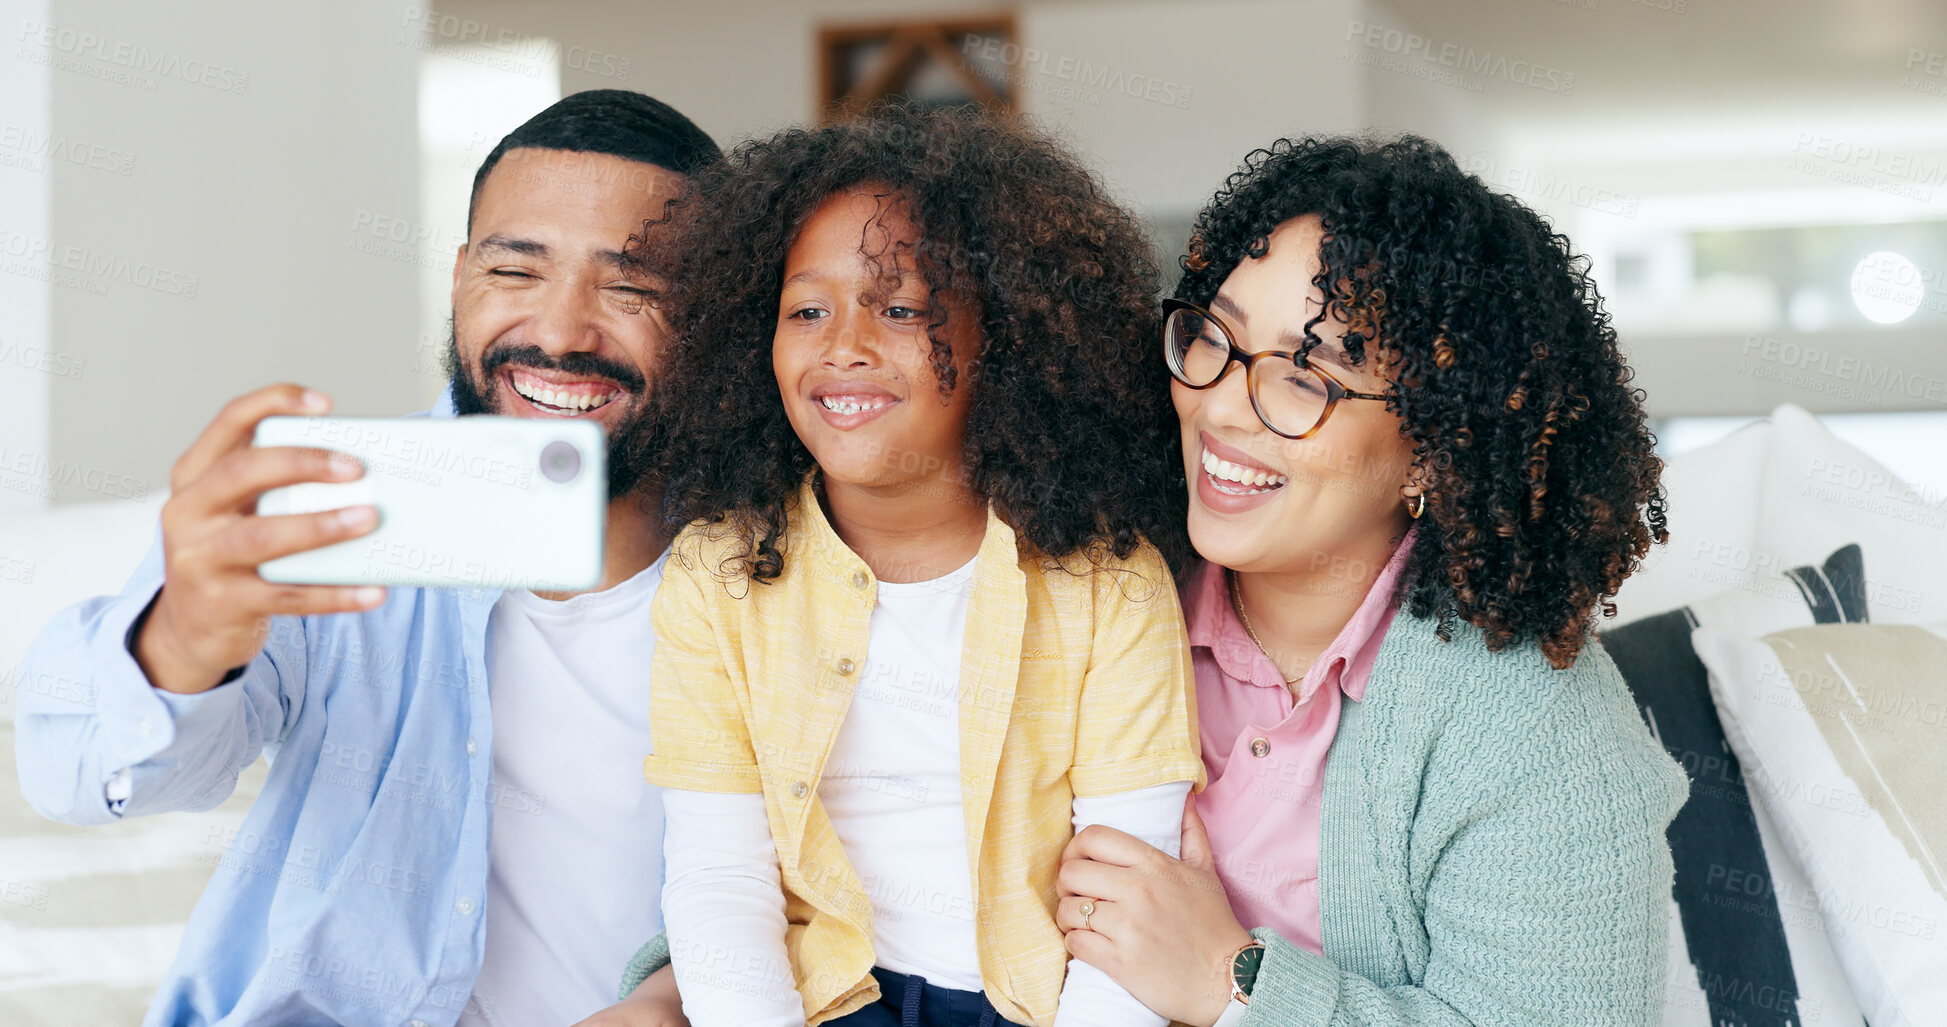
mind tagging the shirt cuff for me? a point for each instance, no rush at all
(1136, 773)
(1233, 1014)
(136, 723)
(145, 724)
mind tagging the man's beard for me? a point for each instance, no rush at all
(626, 466)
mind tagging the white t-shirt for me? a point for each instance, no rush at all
(892, 783)
(575, 868)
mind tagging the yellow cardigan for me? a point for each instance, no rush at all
(1074, 680)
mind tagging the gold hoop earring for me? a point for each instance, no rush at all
(1418, 508)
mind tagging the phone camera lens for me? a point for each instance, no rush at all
(560, 462)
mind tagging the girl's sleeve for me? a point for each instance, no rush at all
(723, 903)
(722, 897)
(1090, 997)
(1137, 724)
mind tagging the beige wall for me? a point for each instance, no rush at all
(1233, 75)
(255, 135)
(27, 364)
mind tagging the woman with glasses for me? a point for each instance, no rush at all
(1416, 472)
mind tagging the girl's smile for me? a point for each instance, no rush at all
(849, 404)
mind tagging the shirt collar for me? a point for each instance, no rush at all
(1214, 626)
(1351, 655)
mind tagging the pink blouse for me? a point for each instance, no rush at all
(1265, 753)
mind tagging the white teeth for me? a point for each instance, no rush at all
(844, 406)
(1224, 470)
(561, 398)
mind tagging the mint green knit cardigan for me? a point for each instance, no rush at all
(1491, 849)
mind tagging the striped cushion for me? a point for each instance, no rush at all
(1752, 957)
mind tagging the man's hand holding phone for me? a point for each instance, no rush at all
(213, 613)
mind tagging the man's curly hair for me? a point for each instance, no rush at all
(1070, 433)
(1540, 476)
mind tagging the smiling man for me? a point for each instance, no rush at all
(455, 828)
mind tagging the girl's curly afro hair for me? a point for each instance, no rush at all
(1070, 433)
(1542, 485)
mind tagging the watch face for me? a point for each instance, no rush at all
(1243, 967)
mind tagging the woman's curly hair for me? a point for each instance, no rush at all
(1540, 476)
(1070, 433)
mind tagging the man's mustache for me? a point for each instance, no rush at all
(588, 365)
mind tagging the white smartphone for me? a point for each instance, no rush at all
(482, 502)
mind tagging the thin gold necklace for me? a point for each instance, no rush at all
(1237, 603)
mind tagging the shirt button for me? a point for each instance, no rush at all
(1260, 747)
(845, 666)
(858, 579)
(471, 748)
(146, 726)
(417, 1023)
(798, 790)
(465, 906)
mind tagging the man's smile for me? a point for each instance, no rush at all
(561, 396)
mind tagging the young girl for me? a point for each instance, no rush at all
(920, 630)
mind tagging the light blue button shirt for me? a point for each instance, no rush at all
(354, 892)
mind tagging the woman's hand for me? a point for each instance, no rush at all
(1151, 910)
(654, 1003)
